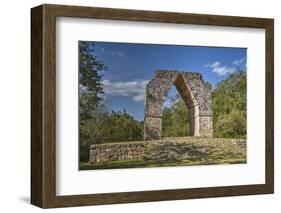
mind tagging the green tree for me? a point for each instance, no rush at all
(175, 119)
(90, 95)
(229, 106)
(97, 125)
(90, 84)
(107, 128)
(123, 127)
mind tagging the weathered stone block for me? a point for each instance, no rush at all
(152, 127)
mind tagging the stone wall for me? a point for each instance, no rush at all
(169, 150)
(195, 92)
(115, 151)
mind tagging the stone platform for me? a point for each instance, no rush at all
(169, 149)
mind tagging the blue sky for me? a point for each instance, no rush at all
(131, 66)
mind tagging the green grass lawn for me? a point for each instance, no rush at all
(146, 164)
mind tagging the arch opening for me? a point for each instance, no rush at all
(175, 116)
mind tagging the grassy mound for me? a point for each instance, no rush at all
(181, 151)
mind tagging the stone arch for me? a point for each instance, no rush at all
(195, 93)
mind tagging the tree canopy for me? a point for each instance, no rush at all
(175, 119)
(97, 124)
(90, 84)
(229, 103)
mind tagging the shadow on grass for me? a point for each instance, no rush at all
(146, 164)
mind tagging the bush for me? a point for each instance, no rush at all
(108, 128)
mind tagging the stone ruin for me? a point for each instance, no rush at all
(166, 150)
(196, 94)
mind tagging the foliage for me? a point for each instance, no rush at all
(229, 107)
(96, 124)
(175, 119)
(90, 84)
(108, 127)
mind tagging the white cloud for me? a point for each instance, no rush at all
(238, 62)
(219, 69)
(168, 103)
(213, 65)
(118, 53)
(139, 97)
(113, 53)
(134, 89)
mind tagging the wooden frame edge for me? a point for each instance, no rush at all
(43, 174)
(36, 106)
(269, 105)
